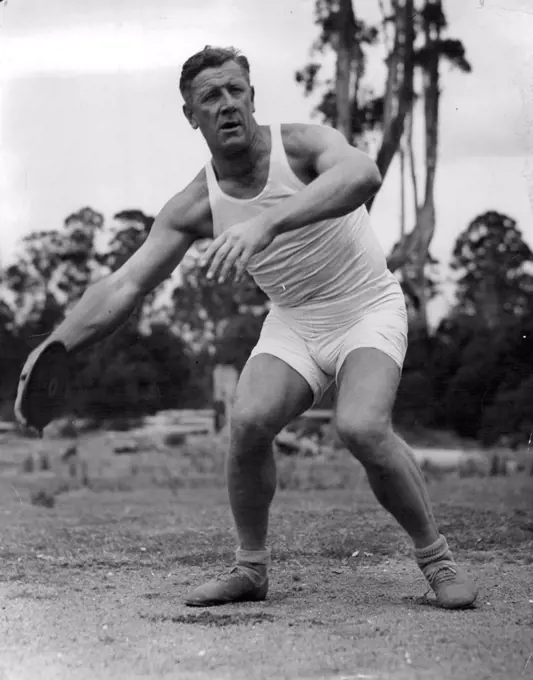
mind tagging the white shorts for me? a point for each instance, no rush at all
(316, 339)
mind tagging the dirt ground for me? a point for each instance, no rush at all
(92, 588)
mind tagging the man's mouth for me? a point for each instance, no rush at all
(230, 125)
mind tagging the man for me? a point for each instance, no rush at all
(285, 203)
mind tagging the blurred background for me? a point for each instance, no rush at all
(93, 142)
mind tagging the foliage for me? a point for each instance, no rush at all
(495, 268)
(54, 267)
(132, 373)
(470, 377)
(480, 364)
(372, 108)
(410, 36)
(214, 317)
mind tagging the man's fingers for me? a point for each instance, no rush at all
(230, 259)
(218, 257)
(22, 422)
(17, 409)
(241, 264)
(225, 252)
(20, 418)
(213, 248)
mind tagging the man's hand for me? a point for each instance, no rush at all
(236, 246)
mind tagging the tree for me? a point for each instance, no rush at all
(7, 316)
(399, 88)
(495, 270)
(238, 339)
(471, 389)
(142, 366)
(348, 102)
(413, 248)
(125, 237)
(412, 34)
(509, 414)
(343, 103)
(54, 267)
(205, 310)
(132, 373)
(476, 370)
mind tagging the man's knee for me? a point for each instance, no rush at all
(252, 426)
(364, 434)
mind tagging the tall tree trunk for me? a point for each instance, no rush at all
(414, 249)
(425, 226)
(346, 56)
(399, 87)
(393, 62)
(412, 163)
(402, 190)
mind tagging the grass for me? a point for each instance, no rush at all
(93, 584)
(117, 504)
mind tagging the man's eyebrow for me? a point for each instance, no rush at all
(206, 90)
(213, 87)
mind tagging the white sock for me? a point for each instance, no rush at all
(253, 556)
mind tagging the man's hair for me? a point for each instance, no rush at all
(209, 57)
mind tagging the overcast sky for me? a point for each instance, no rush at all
(90, 112)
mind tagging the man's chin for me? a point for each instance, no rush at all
(234, 143)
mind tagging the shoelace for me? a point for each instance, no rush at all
(237, 569)
(443, 572)
(223, 575)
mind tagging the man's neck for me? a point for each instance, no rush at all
(244, 162)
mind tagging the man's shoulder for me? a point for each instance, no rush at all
(197, 187)
(189, 210)
(307, 138)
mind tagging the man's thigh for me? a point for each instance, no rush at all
(295, 367)
(369, 364)
(367, 385)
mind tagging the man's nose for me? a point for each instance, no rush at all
(228, 102)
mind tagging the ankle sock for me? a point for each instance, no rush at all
(436, 551)
(255, 557)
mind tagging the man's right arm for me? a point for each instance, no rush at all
(109, 302)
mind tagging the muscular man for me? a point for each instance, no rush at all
(286, 203)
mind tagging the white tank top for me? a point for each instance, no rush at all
(327, 261)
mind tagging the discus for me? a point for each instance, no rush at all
(45, 391)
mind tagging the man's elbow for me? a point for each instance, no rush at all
(366, 176)
(373, 179)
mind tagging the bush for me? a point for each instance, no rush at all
(174, 439)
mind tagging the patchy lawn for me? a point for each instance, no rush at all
(92, 587)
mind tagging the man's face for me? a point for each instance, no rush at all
(221, 105)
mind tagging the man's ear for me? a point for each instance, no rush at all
(252, 95)
(190, 117)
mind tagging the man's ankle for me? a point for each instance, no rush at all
(434, 552)
(253, 557)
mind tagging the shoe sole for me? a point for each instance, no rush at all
(220, 603)
(466, 605)
(257, 596)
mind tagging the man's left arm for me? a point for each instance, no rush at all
(346, 179)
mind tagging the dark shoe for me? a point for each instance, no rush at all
(241, 584)
(453, 588)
